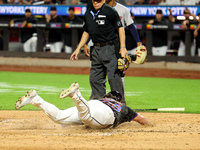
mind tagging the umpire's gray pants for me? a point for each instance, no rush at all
(104, 62)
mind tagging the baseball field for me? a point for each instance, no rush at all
(30, 129)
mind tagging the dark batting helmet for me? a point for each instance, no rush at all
(114, 95)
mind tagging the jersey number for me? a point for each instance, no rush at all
(116, 107)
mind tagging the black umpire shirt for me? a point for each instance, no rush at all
(102, 25)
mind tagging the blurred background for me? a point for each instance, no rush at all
(24, 34)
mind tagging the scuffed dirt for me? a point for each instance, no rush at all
(31, 130)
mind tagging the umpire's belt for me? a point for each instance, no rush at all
(111, 42)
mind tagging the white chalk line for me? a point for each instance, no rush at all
(78, 134)
(41, 89)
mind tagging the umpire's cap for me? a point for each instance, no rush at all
(115, 95)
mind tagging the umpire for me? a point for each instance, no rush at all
(103, 25)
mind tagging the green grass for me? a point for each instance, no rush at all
(141, 92)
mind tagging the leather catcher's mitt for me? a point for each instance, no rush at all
(141, 53)
(124, 63)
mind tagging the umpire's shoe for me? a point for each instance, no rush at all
(24, 100)
(70, 91)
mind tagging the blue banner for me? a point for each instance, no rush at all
(138, 11)
(39, 10)
(149, 11)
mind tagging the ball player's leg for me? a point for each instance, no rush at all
(34, 44)
(68, 49)
(58, 46)
(181, 49)
(52, 47)
(68, 116)
(92, 113)
(27, 46)
(122, 74)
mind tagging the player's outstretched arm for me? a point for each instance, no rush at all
(141, 120)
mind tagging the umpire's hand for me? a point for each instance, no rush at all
(74, 55)
(123, 52)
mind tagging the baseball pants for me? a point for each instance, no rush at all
(181, 49)
(93, 113)
(104, 62)
(30, 45)
(56, 47)
(159, 51)
(68, 49)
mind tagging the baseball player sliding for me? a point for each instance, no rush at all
(102, 113)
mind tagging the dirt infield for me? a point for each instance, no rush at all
(141, 72)
(33, 130)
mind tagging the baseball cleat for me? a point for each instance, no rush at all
(70, 91)
(24, 100)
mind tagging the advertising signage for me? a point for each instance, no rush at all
(140, 11)
(150, 11)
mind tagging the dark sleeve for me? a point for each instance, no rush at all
(134, 32)
(165, 21)
(32, 20)
(131, 114)
(85, 27)
(18, 19)
(193, 22)
(88, 40)
(162, 22)
(114, 17)
(60, 19)
(78, 20)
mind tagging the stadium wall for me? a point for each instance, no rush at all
(56, 62)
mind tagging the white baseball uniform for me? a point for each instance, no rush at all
(94, 113)
(31, 44)
(56, 47)
(87, 112)
(124, 14)
(126, 20)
